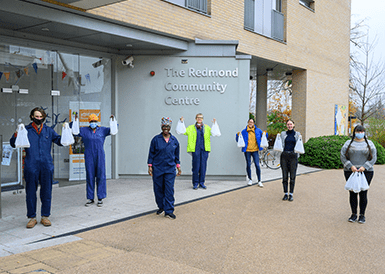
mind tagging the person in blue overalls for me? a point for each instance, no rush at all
(163, 158)
(38, 166)
(199, 145)
(95, 161)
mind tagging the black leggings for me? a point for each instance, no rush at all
(353, 197)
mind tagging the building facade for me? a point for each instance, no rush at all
(142, 60)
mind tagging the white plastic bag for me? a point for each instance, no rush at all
(357, 182)
(66, 137)
(22, 137)
(264, 142)
(278, 143)
(299, 146)
(180, 127)
(113, 126)
(241, 142)
(75, 127)
(215, 130)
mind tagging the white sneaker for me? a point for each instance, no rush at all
(260, 184)
(250, 182)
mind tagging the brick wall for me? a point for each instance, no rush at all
(315, 41)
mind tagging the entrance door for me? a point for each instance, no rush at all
(60, 83)
(22, 89)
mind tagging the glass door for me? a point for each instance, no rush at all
(62, 84)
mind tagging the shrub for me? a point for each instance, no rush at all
(324, 152)
(376, 130)
(380, 152)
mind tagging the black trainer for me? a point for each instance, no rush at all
(170, 215)
(361, 219)
(291, 198)
(353, 218)
(160, 211)
(89, 202)
(286, 197)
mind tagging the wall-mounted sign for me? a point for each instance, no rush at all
(196, 81)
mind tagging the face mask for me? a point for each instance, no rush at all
(93, 125)
(37, 121)
(360, 135)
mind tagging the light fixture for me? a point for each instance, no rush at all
(289, 75)
(45, 29)
(129, 45)
(152, 73)
(269, 72)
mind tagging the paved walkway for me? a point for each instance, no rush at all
(243, 230)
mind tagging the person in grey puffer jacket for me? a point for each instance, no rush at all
(358, 155)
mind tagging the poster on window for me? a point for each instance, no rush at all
(77, 169)
(7, 155)
(340, 120)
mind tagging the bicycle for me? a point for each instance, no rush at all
(270, 157)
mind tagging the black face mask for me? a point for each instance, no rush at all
(37, 121)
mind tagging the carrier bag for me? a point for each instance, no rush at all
(241, 142)
(299, 146)
(113, 126)
(180, 127)
(75, 127)
(66, 137)
(22, 137)
(278, 143)
(215, 130)
(357, 182)
(264, 142)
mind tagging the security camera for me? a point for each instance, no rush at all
(101, 62)
(97, 64)
(128, 62)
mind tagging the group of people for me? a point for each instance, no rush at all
(357, 155)
(38, 164)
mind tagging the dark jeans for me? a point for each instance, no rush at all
(353, 197)
(289, 164)
(255, 156)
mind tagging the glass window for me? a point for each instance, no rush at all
(61, 84)
(307, 3)
(197, 5)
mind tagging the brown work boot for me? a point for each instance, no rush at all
(31, 223)
(44, 221)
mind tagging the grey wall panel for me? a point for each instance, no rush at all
(141, 104)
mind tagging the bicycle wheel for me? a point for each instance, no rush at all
(272, 159)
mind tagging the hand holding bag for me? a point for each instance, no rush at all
(22, 137)
(66, 137)
(75, 127)
(113, 126)
(278, 143)
(299, 146)
(215, 130)
(241, 142)
(180, 127)
(357, 182)
(264, 142)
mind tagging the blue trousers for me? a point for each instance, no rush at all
(96, 171)
(164, 190)
(255, 156)
(43, 176)
(199, 166)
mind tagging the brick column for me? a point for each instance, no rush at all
(299, 106)
(261, 104)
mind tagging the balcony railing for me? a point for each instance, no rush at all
(277, 25)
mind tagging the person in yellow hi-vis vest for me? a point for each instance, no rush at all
(199, 145)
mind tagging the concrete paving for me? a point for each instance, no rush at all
(242, 230)
(126, 199)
